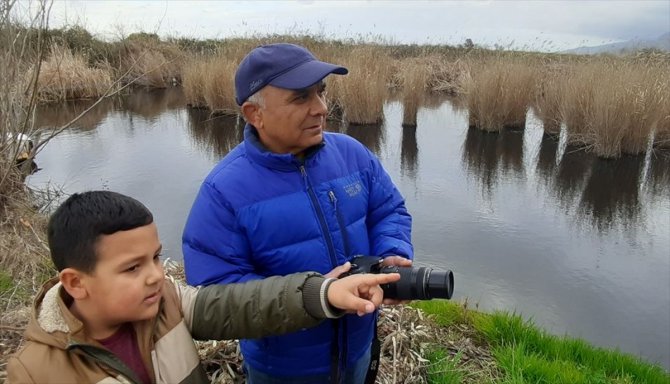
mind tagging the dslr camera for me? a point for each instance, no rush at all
(415, 283)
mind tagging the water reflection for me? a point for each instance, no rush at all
(480, 158)
(611, 193)
(409, 151)
(546, 158)
(571, 175)
(510, 147)
(658, 176)
(216, 135)
(372, 136)
(151, 103)
(54, 116)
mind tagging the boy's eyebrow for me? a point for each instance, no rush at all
(140, 257)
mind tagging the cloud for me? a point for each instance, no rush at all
(565, 23)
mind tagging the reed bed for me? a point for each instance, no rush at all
(498, 94)
(548, 98)
(625, 109)
(577, 102)
(364, 90)
(209, 82)
(662, 132)
(66, 76)
(414, 74)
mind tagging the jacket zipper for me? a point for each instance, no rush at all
(320, 216)
(106, 358)
(340, 221)
(341, 353)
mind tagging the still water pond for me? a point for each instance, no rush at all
(578, 244)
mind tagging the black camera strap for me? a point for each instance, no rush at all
(375, 352)
(335, 353)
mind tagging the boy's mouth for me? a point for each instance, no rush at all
(153, 298)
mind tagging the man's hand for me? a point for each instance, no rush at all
(359, 293)
(400, 262)
(337, 271)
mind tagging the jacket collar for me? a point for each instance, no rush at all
(282, 162)
(52, 323)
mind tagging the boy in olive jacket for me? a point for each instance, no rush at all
(111, 316)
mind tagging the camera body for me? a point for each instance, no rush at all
(415, 283)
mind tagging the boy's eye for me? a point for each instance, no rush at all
(157, 257)
(133, 268)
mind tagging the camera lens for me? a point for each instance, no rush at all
(419, 283)
(440, 284)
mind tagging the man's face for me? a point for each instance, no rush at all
(290, 121)
(127, 281)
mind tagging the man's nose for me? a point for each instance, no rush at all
(319, 105)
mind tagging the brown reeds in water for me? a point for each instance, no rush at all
(547, 98)
(577, 101)
(148, 62)
(626, 105)
(498, 94)
(67, 76)
(662, 133)
(414, 76)
(363, 91)
(211, 83)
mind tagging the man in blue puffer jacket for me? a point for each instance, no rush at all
(294, 198)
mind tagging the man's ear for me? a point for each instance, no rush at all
(73, 281)
(252, 114)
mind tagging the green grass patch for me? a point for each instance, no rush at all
(443, 368)
(526, 354)
(6, 283)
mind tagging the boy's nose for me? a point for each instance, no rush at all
(156, 274)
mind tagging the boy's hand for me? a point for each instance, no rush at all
(359, 293)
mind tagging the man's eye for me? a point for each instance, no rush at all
(133, 268)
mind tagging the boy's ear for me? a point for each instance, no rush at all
(73, 283)
(251, 113)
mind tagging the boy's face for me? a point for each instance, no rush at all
(126, 283)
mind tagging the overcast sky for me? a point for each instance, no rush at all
(538, 25)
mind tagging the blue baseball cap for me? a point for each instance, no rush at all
(282, 65)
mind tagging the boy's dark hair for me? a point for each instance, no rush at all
(74, 228)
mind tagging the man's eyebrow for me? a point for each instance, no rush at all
(319, 86)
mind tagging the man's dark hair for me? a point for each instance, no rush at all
(74, 228)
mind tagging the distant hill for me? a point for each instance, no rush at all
(661, 43)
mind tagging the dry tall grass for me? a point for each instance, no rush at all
(66, 76)
(625, 109)
(611, 105)
(414, 74)
(547, 98)
(363, 91)
(662, 133)
(498, 94)
(577, 101)
(210, 82)
(148, 62)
